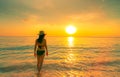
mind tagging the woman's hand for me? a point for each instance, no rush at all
(46, 53)
(35, 54)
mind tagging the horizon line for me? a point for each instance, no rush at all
(67, 36)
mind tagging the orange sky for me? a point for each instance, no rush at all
(99, 18)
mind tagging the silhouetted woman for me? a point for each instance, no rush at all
(40, 49)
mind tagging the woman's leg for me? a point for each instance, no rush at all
(41, 60)
(38, 63)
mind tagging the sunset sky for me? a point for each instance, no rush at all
(90, 17)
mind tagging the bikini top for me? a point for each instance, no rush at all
(40, 45)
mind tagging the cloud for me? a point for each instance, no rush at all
(49, 8)
(55, 11)
(88, 16)
(31, 19)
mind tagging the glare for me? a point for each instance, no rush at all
(71, 57)
(70, 41)
(70, 29)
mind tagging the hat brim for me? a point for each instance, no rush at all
(41, 34)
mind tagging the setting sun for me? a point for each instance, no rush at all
(70, 29)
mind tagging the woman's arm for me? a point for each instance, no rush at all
(35, 47)
(46, 48)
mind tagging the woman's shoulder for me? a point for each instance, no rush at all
(44, 39)
(36, 40)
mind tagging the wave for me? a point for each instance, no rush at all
(51, 47)
(62, 67)
(17, 68)
(18, 48)
(77, 47)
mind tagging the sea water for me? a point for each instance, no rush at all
(68, 57)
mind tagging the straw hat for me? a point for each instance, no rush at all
(42, 33)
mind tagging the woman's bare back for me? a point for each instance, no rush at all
(41, 45)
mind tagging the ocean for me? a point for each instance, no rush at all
(68, 57)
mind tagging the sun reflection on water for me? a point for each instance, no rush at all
(70, 41)
(70, 57)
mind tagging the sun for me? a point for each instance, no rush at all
(70, 29)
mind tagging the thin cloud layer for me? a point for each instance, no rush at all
(60, 13)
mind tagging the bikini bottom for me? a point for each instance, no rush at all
(40, 52)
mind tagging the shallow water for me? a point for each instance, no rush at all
(68, 57)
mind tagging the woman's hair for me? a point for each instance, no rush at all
(40, 38)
